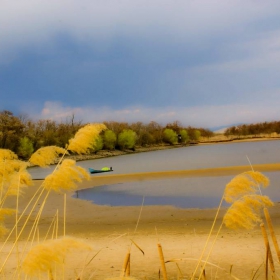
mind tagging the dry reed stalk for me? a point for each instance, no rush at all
(127, 272)
(64, 220)
(179, 272)
(125, 263)
(266, 242)
(33, 231)
(254, 274)
(50, 275)
(16, 221)
(208, 238)
(54, 230)
(50, 227)
(21, 231)
(41, 190)
(204, 274)
(210, 251)
(161, 257)
(272, 233)
(266, 263)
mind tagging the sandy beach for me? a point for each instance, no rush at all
(182, 233)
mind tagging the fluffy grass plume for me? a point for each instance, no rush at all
(85, 138)
(7, 154)
(17, 182)
(13, 176)
(3, 213)
(46, 255)
(65, 176)
(246, 212)
(244, 184)
(9, 167)
(46, 155)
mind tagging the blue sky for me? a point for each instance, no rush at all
(205, 63)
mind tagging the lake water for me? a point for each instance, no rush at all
(200, 192)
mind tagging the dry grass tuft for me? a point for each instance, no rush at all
(246, 212)
(65, 176)
(247, 205)
(7, 154)
(244, 184)
(85, 138)
(45, 256)
(46, 155)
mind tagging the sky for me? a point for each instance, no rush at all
(204, 63)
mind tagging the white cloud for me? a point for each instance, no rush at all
(200, 116)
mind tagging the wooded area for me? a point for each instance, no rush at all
(23, 136)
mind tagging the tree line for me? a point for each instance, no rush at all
(254, 129)
(23, 136)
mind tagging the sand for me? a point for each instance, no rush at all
(182, 233)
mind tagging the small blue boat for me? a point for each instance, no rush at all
(103, 169)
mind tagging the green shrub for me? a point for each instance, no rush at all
(109, 139)
(184, 136)
(127, 139)
(170, 136)
(98, 145)
(25, 148)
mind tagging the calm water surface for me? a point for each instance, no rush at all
(204, 192)
(181, 192)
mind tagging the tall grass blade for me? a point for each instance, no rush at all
(138, 247)
(267, 246)
(125, 263)
(272, 233)
(162, 263)
(208, 238)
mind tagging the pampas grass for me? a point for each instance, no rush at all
(85, 138)
(244, 184)
(7, 154)
(3, 214)
(46, 255)
(244, 192)
(246, 212)
(45, 156)
(14, 176)
(65, 177)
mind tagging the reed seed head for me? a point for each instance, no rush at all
(244, 184)
(66, 176)
(7, 154)
(14, 176)
(47, 255)
(46, 155)
(4, 212)
(85, 138)
(246, 212)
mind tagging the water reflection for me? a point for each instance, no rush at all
(203, 192)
